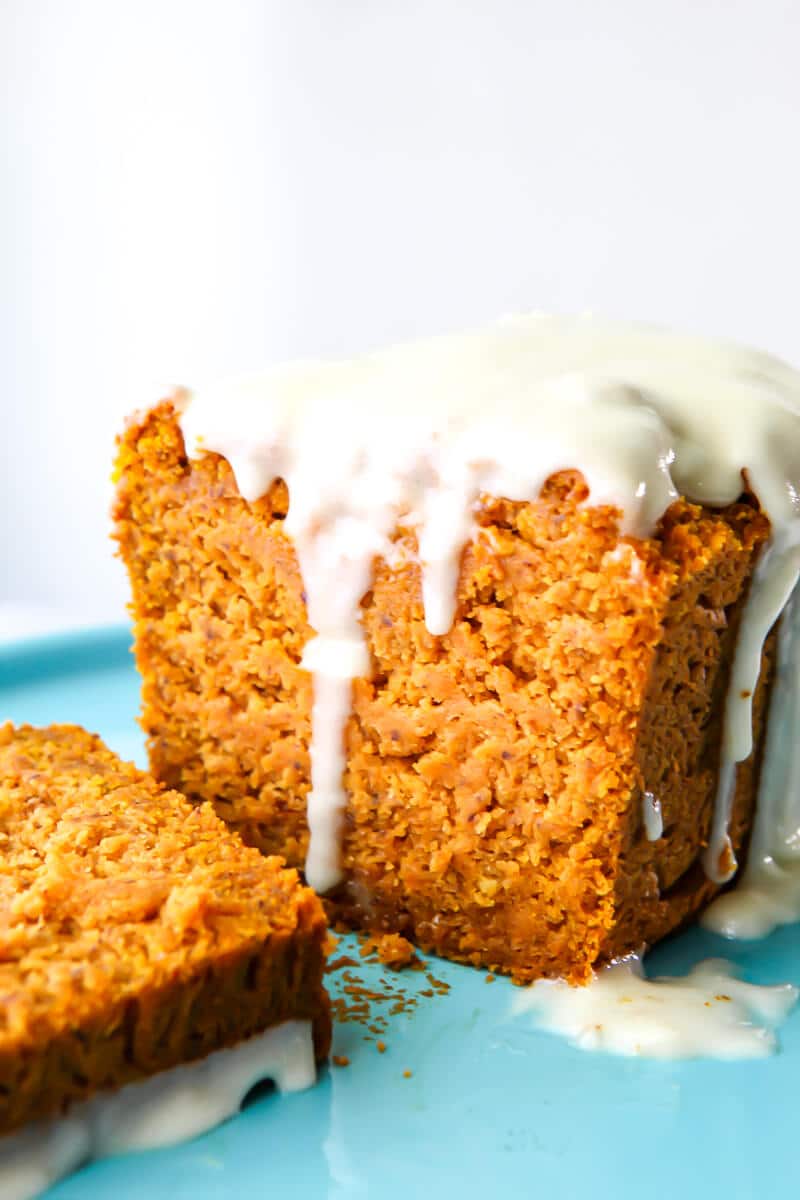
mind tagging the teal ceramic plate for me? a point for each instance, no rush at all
(491, 1107)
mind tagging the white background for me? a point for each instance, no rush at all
(190, 189)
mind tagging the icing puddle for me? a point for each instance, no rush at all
(709, 1013)
(168, 1108)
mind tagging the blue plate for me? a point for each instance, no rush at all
(491, 1106)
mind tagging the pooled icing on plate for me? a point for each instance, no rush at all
(170, 1107)
(422, 430)
(709, 1013)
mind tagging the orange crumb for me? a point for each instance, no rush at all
(340, 1060)
(391, 949)
(336, 964)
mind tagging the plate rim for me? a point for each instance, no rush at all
(64, 652)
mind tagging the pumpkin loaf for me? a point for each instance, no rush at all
(137, 932)
(499, 778)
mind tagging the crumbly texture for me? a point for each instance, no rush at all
(136, 932)
(390, 949)
(495, 775)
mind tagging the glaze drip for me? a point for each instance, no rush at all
(768, 893)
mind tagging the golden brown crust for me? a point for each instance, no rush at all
(495, 775)
(136, 932)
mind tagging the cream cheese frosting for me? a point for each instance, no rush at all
(170, 1107)
(420, 431)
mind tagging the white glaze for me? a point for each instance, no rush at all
(709, 1013)
(171, 1107)
(653, 818)
(774, 579)
(421, 431)
(768, 893)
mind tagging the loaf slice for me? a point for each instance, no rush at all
(499, 778)
(136, 931)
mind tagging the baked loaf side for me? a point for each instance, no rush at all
(496, 775)
(137, 933)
